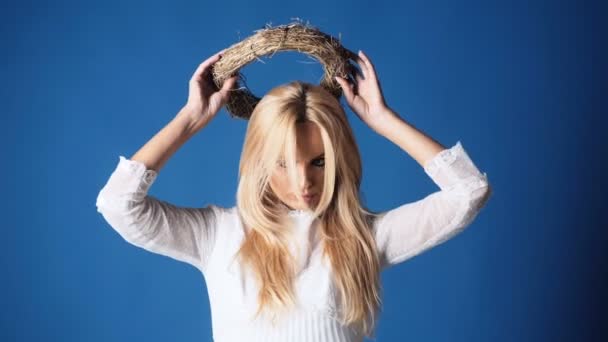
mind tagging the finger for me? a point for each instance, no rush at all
(362, 66)
(228, 84)
(367, 62)
(204, 67)
(205, 64)
(360, 78)
(346, 89)
(359, 71)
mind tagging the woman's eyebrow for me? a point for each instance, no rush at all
(319, 156)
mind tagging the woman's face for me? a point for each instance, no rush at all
(310, 161)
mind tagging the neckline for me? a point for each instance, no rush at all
(299, 213)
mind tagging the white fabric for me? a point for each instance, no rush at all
(208, 238)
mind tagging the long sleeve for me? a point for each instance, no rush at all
(184, 234)
(412, 228)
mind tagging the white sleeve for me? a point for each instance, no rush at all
(412, 228)
(184, 234)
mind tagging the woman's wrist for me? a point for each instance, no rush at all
(386, 119)
(191, 119)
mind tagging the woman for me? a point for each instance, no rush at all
(299, 257)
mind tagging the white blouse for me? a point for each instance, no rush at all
(208, 238)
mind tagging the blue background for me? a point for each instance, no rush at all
(522, 84)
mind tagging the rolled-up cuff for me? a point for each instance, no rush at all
(137, 177)
(451, 166)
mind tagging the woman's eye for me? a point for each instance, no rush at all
(318, 162)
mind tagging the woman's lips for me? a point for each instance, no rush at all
(309, 198)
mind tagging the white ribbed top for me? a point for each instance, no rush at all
(208, 238)
(301, 326)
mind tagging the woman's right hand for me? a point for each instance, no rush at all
(204, 98)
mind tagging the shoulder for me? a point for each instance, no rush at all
(224, 215)
(227, 224)
(227, 211)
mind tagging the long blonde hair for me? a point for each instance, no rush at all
(345, 225)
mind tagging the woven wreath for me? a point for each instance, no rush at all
(336, 60)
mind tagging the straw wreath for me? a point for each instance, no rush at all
(295, 37)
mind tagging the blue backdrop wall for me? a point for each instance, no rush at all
(520, 83)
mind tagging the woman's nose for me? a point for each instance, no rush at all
(304, 178)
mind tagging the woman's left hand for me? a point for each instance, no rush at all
(365, 97)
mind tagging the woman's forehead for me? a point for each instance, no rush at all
(309, 143)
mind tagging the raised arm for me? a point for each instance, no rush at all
(412, 228)
(185, 234)
(204, 102)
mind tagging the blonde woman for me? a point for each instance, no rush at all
(298, 258)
